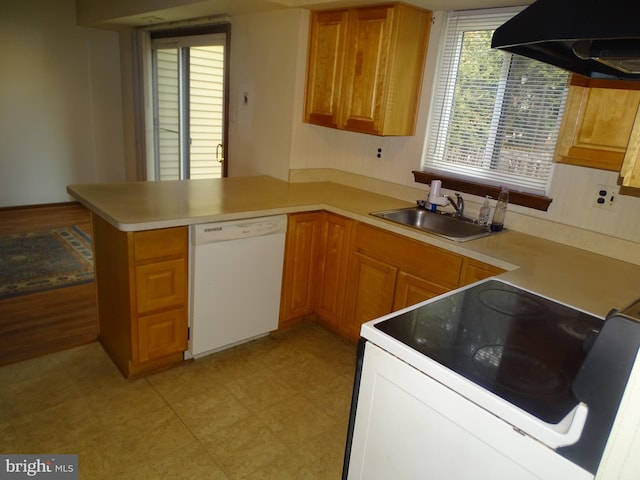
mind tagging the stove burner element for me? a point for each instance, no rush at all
(511, 303)
(518, 371)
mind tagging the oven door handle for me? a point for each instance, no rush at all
(571, 426)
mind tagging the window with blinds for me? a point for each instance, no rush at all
(494, 116)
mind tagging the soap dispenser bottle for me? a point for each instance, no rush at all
(497, 223)
(485, 212)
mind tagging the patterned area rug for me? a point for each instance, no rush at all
(38, 261)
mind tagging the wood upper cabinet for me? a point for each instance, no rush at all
(301, 265)
(327, 37)
(365, 67)
(142, 296)
(597, 125)
(630, 170)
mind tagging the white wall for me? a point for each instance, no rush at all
(264, 52)
(60, 103)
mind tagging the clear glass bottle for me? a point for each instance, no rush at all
(497, 223)
(485, 212)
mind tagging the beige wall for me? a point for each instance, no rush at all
(60, 115)
(264, 63)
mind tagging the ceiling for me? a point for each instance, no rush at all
(125, 13)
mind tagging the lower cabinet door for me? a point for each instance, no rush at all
(333, 273)
(473, 271)
(370, 291)
(162, 334)
(411, 290)
(302, 256)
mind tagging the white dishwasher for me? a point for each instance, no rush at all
(235, 281)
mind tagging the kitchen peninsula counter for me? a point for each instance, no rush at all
(591, 282)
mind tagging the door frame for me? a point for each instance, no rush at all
(218, 28)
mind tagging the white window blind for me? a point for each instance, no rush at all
(494, 116)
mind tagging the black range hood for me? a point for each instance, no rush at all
(595, 38)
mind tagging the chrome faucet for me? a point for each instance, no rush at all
(458, 204)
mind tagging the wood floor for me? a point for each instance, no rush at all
(40, 323)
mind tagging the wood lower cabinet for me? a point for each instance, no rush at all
(411, 290)
(389, 272)
(331, 282)
(364, 68)
(141, 281)
(302, 261)
(474, 270)
(347, 273)
(161, 334)
(315, 268)
(370, 293)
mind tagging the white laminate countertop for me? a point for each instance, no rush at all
(585, 280)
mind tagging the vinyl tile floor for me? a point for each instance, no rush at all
(274, 408)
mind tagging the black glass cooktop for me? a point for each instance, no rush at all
(524, 348)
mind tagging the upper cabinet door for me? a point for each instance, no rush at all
(596, 127)
(370, 31)
(327, 36)
(377, 66)
(630, 171)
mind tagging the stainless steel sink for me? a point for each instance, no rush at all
(460, 229)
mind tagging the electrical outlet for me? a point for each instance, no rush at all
(605, 196)
(379, 153)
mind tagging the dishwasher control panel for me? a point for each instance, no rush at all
(235, 229)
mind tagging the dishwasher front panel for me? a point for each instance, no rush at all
(235, 287)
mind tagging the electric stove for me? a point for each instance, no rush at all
(524, 348)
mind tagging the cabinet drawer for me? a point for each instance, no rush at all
(161, 285)
(164, 243)
(162, 334)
